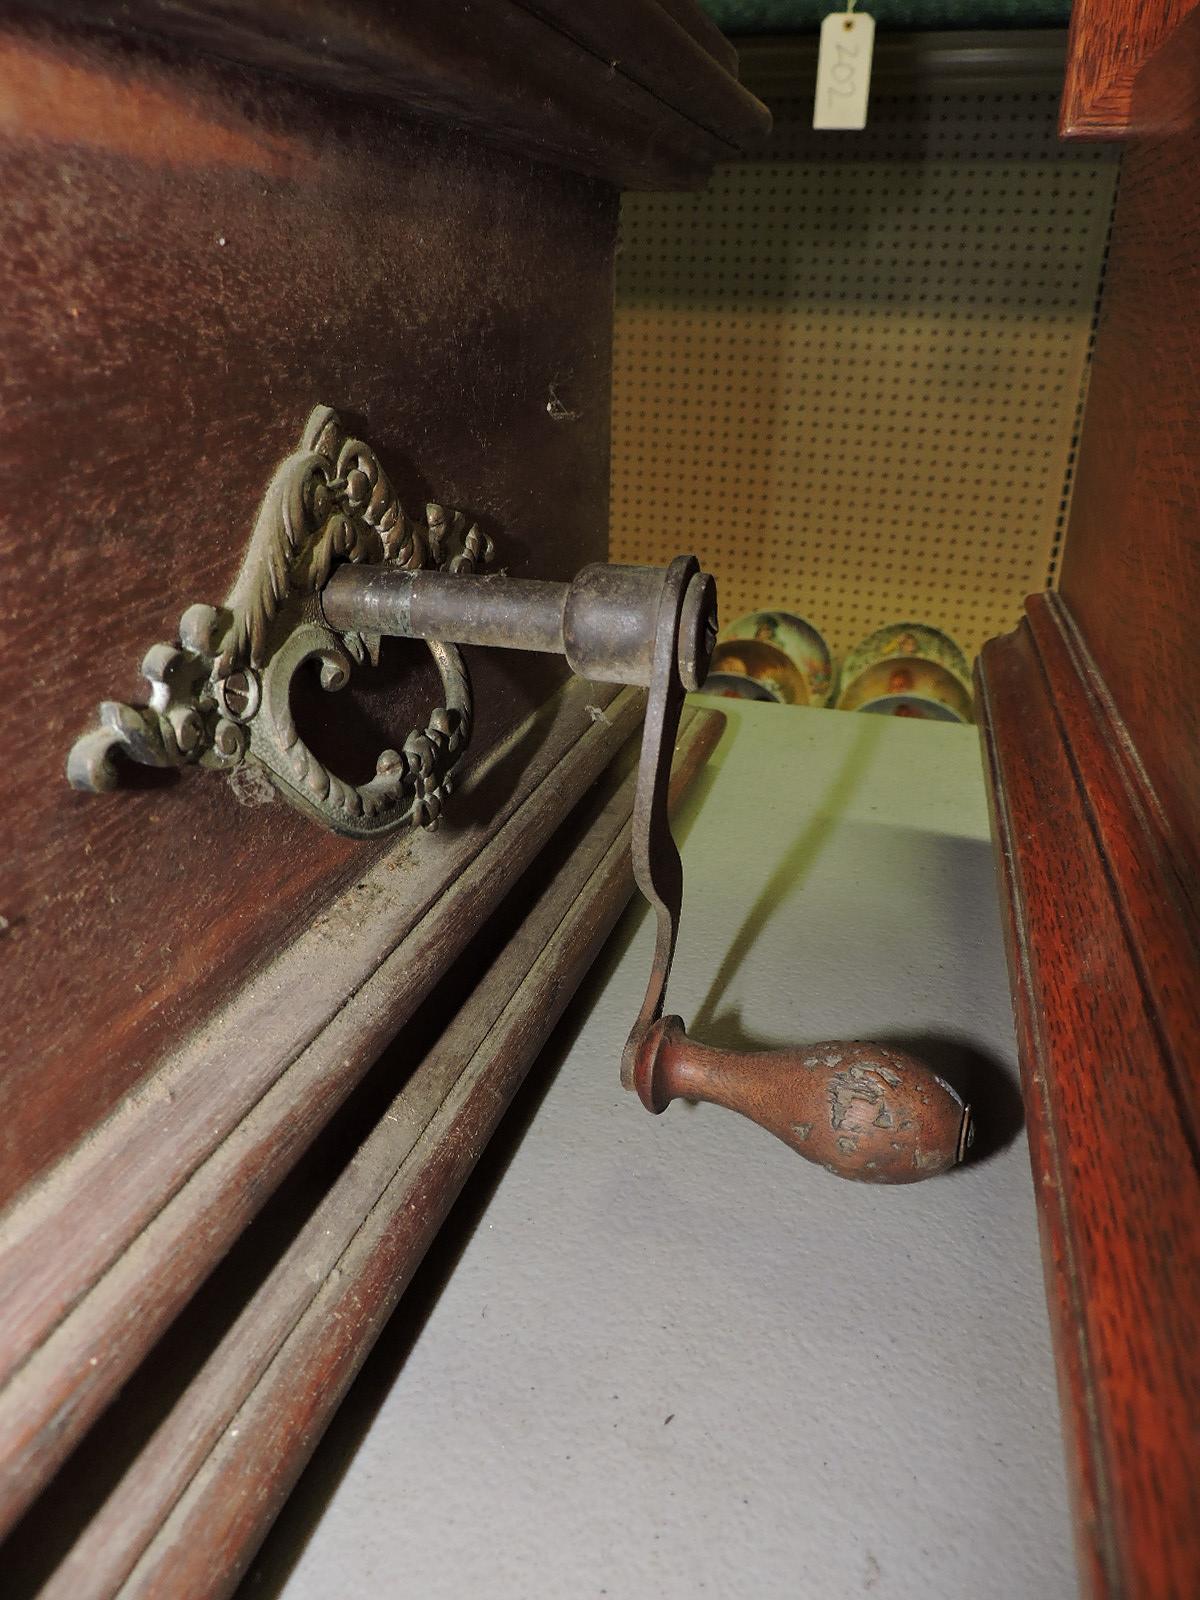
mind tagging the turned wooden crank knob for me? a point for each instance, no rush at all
(862, 1111)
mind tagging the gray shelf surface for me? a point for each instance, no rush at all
(665, 1357)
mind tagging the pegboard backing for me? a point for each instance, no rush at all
(849, 375)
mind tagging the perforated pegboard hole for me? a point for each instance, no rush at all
(848, 375)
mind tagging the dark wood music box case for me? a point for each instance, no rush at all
(295, 284)
(220, 219)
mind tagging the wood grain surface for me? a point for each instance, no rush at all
(1109, 43)
(640, 94)
(1103, 949)
(192, 258)
(1131, 565)
(1093, 744)
(216, 216)
(96, 1262)
(240, 1428)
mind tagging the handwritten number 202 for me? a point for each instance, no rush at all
(841, 73)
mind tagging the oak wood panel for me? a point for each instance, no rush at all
(355, 1253)
(1109, 43)
(1103, 950)
(1137, 843)
(192, 257)
(627, 92)
(1092, 737)
(217, 215)
(94, 1266)
(1131, 567)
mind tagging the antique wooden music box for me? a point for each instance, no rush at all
(331, 725)
(286, 284)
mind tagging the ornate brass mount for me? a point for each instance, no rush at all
(333, 566)
(220, 698)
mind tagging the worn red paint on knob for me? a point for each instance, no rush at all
(862, 1111)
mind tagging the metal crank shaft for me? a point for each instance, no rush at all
(862, 1111)
(603, 621)
(333, 562)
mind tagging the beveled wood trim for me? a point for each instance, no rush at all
(1103, 951)
(673, 51)
(1108, 43)
(630, 92)
(180, 1521)
(689, 15)
(101, 1254)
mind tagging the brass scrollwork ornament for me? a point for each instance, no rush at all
(221, 696)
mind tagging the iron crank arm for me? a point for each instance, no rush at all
(862, 1111)
(333, 564)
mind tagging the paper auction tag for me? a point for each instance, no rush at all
(844, 69)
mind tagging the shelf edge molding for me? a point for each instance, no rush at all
(1103, 944)
(99, 1256)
